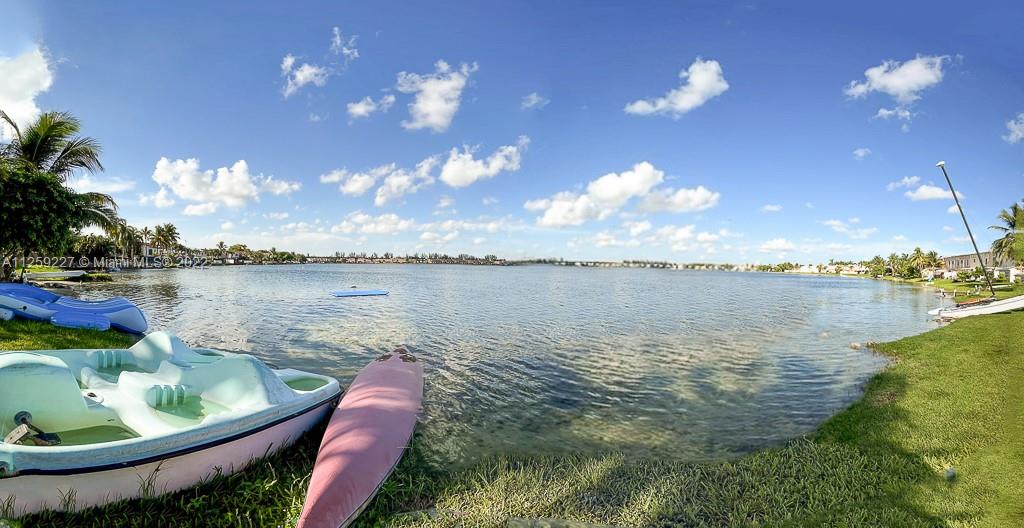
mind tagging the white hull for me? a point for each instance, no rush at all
(54, 274)
(1005, 305)
(77, 491)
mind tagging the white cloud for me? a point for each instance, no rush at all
(276, 216)
(1015, 130)
(904, 82)
(855, 233)
(899, 238)
(777, 245)
(862, 233)
(681, 200)
(836, 225)
(809, 205)
(227, 226)
(90, 183)
(489, 200)
(160, 199)
(346, 48)
(438, 95)
(396, 181)
(930, 192)
(906, 181)
(898, 112)
(702, 81)
(479, 240)
(430, 236)
(565, 209)
(534, 101)
(233, 187)
(953, 209)
(604, 196)
(606, 239)
(278, 187)
(367, 106)
(356, 183)
(401, 182)
(385, 224)
(609, 193)
(679, 238)
(861, 153)
(637, 228)
(445, 202)
(771, 208)
(287, 63)
(24, 77)
(296, 78)
(462, 170)
(947, 229)
(481, 224)
(201, 209)
(705, 237)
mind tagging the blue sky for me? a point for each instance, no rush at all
(702, 131)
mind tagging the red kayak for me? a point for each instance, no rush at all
(366, 437)
(975, 302)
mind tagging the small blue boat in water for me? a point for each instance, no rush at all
(358, 293)
(30, 302)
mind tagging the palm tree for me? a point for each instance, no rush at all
(222, 248)
(49, 145)
(894, 263)
(126, 238)
(166, 236)
(918, 259)
(1011, 245)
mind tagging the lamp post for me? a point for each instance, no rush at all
(942, 165)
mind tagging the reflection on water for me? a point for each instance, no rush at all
(542, 359)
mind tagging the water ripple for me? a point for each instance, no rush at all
(696, 365)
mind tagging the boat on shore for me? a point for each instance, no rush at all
(992, 307)
(49, 275)
(31, 302)
(365, 439)
(89, 427)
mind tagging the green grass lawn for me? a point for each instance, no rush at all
(953, 397)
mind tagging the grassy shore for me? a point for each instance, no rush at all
(953, 397)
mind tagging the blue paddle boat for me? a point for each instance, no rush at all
(30, 302)
(358, 293)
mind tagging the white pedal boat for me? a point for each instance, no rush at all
(152, 419)
(993, 307)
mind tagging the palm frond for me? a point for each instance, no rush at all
(78, 153)
(12, 124)
(98, 209)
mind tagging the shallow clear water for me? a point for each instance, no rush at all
(543, 359)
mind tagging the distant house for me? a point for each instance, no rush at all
(853, 269)
(970, 261)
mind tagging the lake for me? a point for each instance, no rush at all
(694, 365)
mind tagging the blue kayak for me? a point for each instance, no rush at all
(358, 293)
(30, 302)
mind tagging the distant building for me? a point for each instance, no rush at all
(970, 261)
